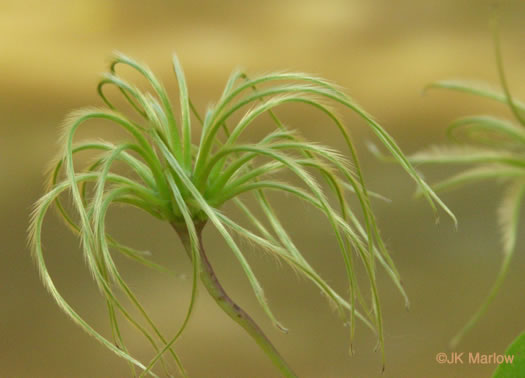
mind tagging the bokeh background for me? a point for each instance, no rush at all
(383, 52)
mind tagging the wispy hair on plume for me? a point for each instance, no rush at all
(185, 184)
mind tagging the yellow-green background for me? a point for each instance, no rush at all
(383, 52)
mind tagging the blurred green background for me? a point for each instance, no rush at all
(383, 53)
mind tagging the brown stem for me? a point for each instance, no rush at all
(215, 289)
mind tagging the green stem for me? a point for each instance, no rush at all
(481, 311)
(214, 287)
